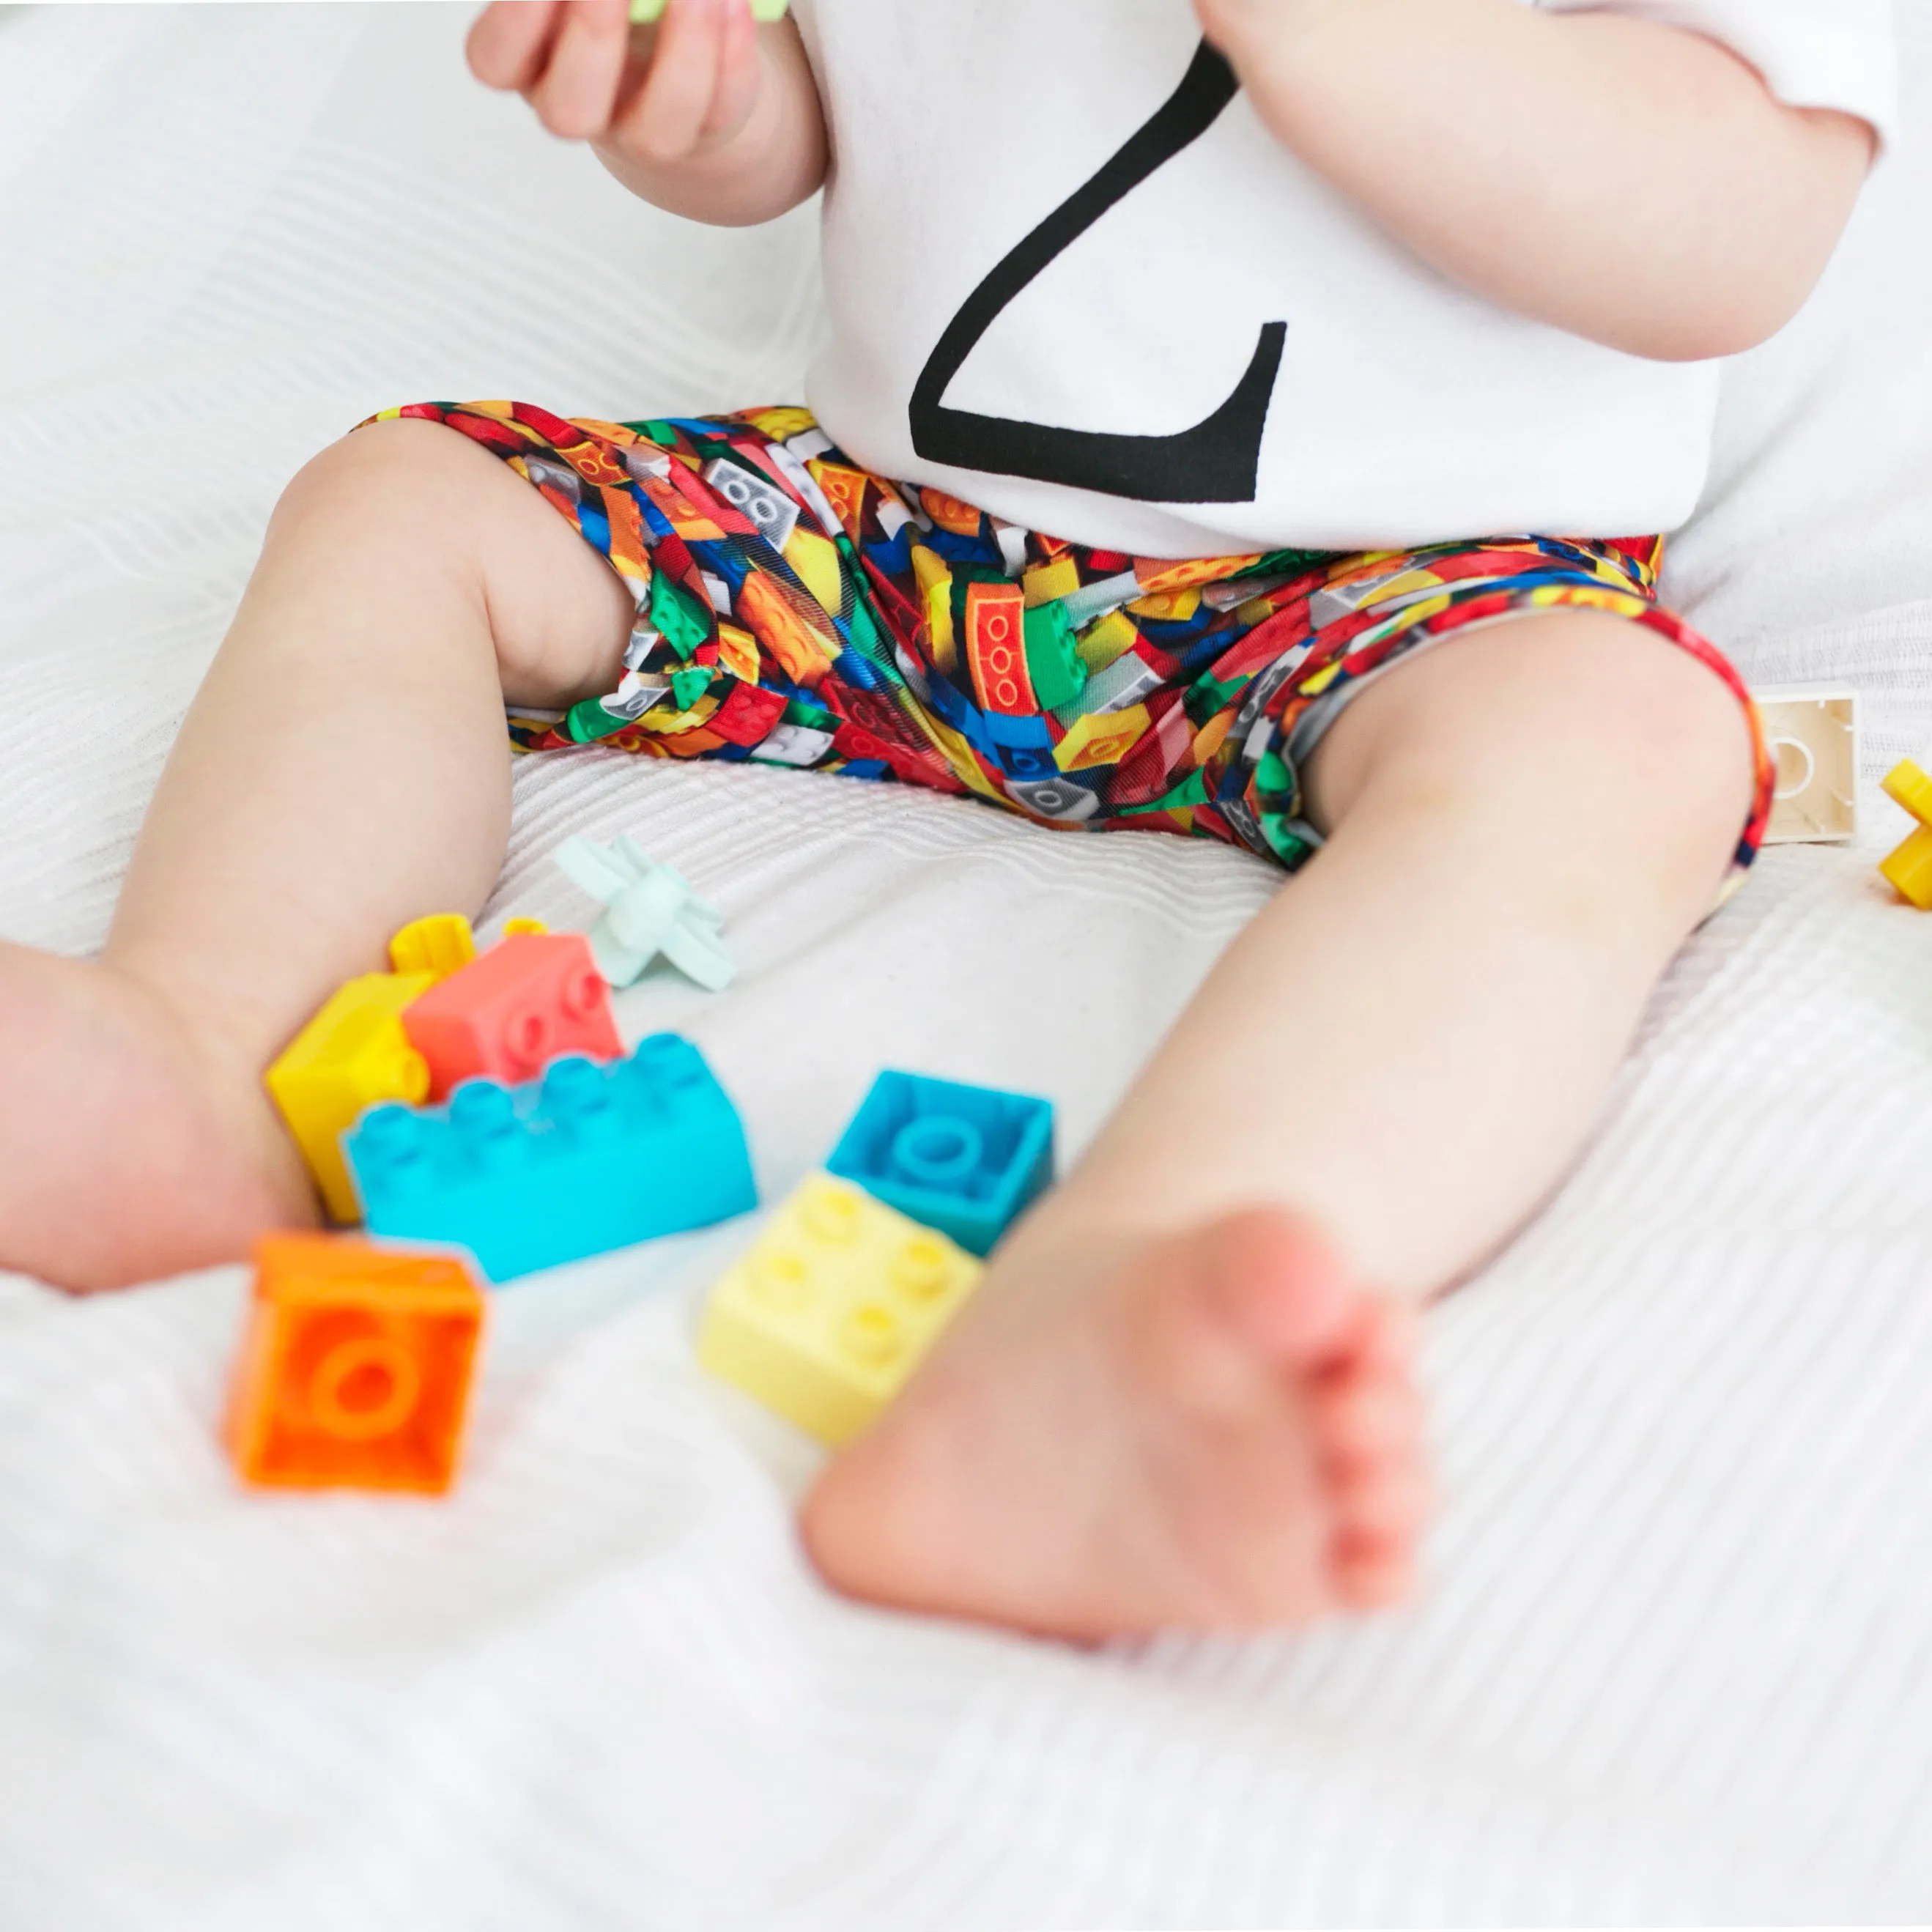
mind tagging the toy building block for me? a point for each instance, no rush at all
(439, 946)
(356, 1367)
(592, 1159)
(649, 910)
(1813, 737)
(643, 11)
(964, 1160)
(353, 1055)
(826, 1317)
(1909, 868)
(511, 1011)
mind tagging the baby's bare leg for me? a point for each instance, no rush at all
(343, 770)
(1168, 1407)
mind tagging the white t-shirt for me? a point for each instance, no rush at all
(1072, 279)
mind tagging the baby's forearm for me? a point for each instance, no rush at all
(1629, 182)
(775, 161)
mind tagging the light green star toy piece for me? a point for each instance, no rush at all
(649, 910)
(644, 10)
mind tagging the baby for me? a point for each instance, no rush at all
(1193, 364)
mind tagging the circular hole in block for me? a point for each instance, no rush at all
(870, 1334)
(920, 1269)
(833, 1215)
(364, 1388)
(940, 1151)
(527, 1038)
(1796, 766)
(781, 1280)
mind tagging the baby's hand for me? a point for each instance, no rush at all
(659, 95)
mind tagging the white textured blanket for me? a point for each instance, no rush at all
(1675, 1663)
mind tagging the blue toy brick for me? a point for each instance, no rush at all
(1027, 733)
(964, 1160)
(589, 1159)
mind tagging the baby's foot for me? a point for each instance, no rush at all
(1221, 1432)
(124, 1154)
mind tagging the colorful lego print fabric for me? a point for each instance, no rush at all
(792, 609)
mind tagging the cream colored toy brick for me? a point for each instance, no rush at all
(826, 1317)
(1813, 736)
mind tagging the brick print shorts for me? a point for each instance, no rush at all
(793, 609)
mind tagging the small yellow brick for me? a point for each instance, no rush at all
(935, 587)
(1909, 868)
(439, 946)
(816, 559)
(1046, 582)
(1103, 641)
(782, 425)
(1102, 738)
(826, 1317)
(1171, 606)
(352, 1056)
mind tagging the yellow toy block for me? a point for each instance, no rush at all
(439, 946)
(817, 561)
(1909, 868)
(1167, 607)
(352, 1055)
(935, 587)
(1106, 641)
(826, 1317)
(1104, 738)
(1045, 583)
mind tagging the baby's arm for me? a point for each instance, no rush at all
(707, 116)
(1629, 182)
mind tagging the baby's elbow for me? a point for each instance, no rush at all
(1722, 323)
(1754, 265)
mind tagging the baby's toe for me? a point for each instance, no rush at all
(1369, 1575)
(1369, 1421)
(1387, 1504)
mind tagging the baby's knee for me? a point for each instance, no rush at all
(401, 476)
(1664, 722)
(1573, 731)
(1636, 751)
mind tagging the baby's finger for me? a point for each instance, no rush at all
(669, 115)
(739, 76)
(579, 86)
(509, 41)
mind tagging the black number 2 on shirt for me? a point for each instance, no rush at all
(1217, 461)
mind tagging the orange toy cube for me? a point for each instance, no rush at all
(355, 1369)
(508, 1014)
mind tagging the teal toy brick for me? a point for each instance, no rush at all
(590, 1159)
(965, 1160)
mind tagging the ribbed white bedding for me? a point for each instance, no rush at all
(1675, 1663)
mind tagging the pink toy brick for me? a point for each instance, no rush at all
(510, 1012)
